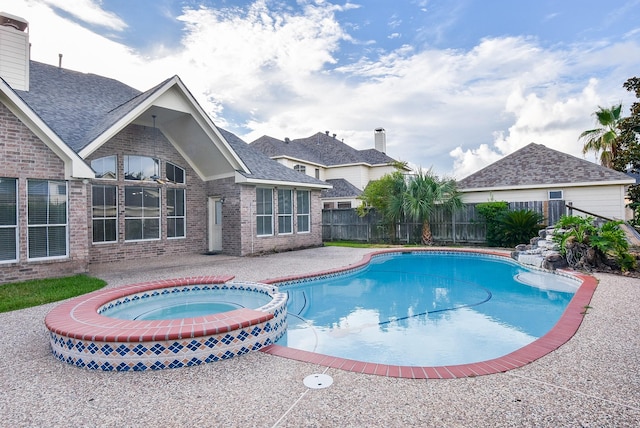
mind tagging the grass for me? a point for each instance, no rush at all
(20, 295)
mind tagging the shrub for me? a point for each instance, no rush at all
(492, 212)
(586, 246)
(518, 227)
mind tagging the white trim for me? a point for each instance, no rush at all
(241, 179)
(549, 185)
(75, 166)
(200, 117)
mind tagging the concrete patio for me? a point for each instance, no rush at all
(591, 381)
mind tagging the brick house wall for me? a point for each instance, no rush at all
(140, 140)
(253, 244)
(24, 156)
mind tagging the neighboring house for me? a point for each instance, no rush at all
(96, 171)
(538, 173)
(325, 157)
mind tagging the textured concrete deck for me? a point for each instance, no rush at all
(591, 381)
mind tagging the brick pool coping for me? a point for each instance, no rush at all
(564, 329)
(79, 318)
(81, 336)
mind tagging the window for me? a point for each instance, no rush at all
(142, 213)
(264, 211)
(285, 211)
(141, 168)
(318, 173)
(344, 205)
(8, 220)
(300, 168)
(328, 206)
(175, 174)
(105, 167)
(47, 218)
(175, 213)
(105, 213)
(303, 210)
(555, 194)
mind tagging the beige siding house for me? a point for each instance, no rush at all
(538, 173)
(327, 158)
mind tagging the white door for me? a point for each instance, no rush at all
(215, 224)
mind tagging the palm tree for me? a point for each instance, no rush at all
(603, 140)
(424, 192)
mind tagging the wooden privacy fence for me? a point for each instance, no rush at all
(465, 226)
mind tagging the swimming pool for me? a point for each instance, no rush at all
(195, 303)
(425, 309)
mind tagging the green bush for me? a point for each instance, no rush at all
(492, 212)
(586, 246)
(518, 227)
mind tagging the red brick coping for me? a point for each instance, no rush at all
(556, 337)
(79, 317)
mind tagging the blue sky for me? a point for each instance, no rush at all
(457, 84)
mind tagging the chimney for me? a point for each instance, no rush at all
(14, 51)
(380, 138)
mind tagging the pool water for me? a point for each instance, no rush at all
(426, 309)
(190, 304)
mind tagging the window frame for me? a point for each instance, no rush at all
(128, 219)
(300, 213)
(103, 159)
(126, 164)
(285, 211)
(104, 218)
(15, 225)
(48, 226)
(173, 218)
(174, 167)
(555, 191)
(300, 168)
(261, 216)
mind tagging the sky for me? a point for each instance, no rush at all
(456, 84)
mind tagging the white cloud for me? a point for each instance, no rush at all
(273, 71)
(89, 11)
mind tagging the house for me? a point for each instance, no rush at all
(538, 173)
(96, 171)
(325, 157)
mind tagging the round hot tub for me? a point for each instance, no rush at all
(166, 324)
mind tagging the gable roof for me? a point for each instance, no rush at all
(86, 110)
(74, 165)
(264, 169)
(73, 104)
(538, 166)
(321, 149)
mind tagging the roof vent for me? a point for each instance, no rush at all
(287, 140)
(326, 132)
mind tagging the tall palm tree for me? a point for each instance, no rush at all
(424, 192)
(603, 140)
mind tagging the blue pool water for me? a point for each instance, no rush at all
(426, 309)
(187, 304)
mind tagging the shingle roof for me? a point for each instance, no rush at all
(74, 104)
(341, 189)
(79, 107)
(263, 167)
(536, 164)
(321, 149)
